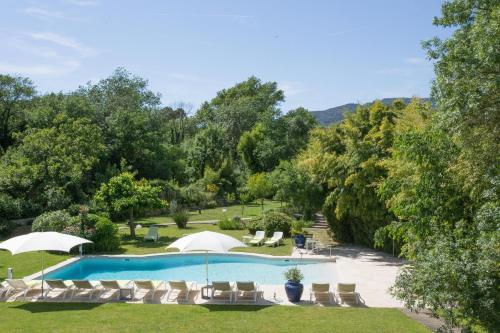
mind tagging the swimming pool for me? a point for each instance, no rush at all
(191, 267)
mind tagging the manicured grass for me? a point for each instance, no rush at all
(119, 317)
(26, 263)
(250, 210)
(171, 233)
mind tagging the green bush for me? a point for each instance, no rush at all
(233, 224)
(57, 220)
(272, 221)
(299, 225)
(106, 237)
(181, 217)
(255, 225)
(294, 274)
(276, 221)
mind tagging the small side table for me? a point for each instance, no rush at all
(127, 293)
(206, 291)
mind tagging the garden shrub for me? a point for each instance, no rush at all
(181, 217)
(106, 237)
(271, 222)
(233, 224)
(276, 221)
(56, 220)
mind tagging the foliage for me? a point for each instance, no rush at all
(299, 225)
(123, 193)
(278, 139)
(442, 182)
(346, 161)
(106, 237)
(294, 185)
(271, 222)
(237, 109)
(51, 165)
(15, 95)
(52, 221)
(294, 274)
(259, 186)
(231, 224)
(181, 217)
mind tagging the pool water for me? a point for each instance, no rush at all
(191, 267)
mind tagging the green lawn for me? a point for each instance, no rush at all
(119, 317)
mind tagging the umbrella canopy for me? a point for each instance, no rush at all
(206, 241)
(42, 241)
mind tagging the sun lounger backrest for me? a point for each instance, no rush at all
(59, 284)
(153, 231)
(320, 287)
(346, 287)
(221, 285)
(260, 234)
(245, 286)
(178, 285)
(112, 284)
(17, 283)
(144, 284)
(278, 235)
(83, 284)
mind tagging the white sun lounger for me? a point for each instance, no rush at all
(152, 234)
(115, 286)
(83, 286)
(148, 286)
(275, 240)
(244, 289)
(320, 290)
(221, 288)
(347, 292)
(258, 239)
(180, 287)
(18, 285)
(57, 285)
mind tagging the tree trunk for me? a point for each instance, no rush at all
(131, 223)
(262, 202)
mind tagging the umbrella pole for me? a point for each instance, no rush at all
(43, 275)
(206, 265)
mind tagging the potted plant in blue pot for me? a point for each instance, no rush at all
(293, 287)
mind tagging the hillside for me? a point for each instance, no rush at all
(336, 114)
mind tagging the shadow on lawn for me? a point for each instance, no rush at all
(37, 307)
(230, 307)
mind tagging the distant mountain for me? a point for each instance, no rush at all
(336, 114)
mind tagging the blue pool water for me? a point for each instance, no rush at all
(191, 267)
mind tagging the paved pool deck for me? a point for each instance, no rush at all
(372, 271)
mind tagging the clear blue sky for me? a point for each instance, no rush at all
(321, 53)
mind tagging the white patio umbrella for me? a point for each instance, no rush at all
(206, 241)
(42, 241)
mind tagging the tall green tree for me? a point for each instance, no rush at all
(51, 167)
(277, 139)
(443, 178)
(260, 187)
(124, 194)
(237, 109)
(15, 94)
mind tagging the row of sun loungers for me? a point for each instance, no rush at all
(174, 290)
(260, 237)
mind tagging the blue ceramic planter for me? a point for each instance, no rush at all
(300, 241)
(294, 290)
